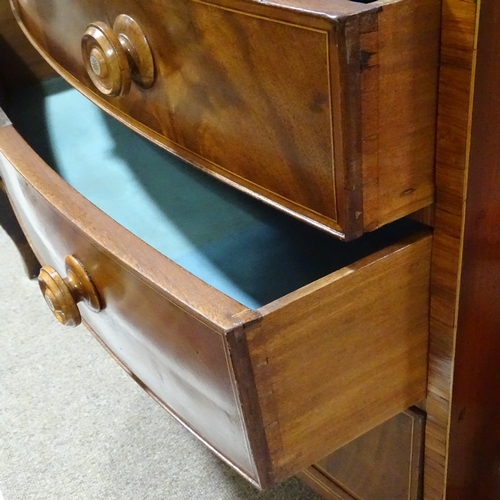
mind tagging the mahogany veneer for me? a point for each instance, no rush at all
(458, 337)
(385, 463)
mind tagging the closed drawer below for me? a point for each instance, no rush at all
(272, 341)
(385, 463)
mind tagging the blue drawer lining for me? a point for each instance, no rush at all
(248, 250)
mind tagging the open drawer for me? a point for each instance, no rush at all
(272, 341)
(325, 109)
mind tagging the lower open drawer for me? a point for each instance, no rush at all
(271, 341)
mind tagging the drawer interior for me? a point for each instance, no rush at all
(248, 250)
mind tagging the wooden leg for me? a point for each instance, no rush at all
(9, 223)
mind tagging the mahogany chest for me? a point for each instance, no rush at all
(261, 330)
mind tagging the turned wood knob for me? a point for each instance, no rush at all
(114, 57)
(63, 294)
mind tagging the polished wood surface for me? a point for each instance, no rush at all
(105, 60)
(317, 126)
(398, 174)
(443, 455)
(242, 380)
(348, 352)
(186, 366)
(452, 163)
(454, 461)
(474, 449)
(385, 463)
(11, 227)
(113, 57)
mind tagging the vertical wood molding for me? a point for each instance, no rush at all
(455, 97)
(474, 442)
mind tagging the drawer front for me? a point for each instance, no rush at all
(220, 94)
(183, 361)
(297, 108)
(384, 463)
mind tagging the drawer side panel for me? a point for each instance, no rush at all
(350, 355)
(401, 74)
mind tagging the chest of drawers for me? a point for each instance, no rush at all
(270, 340)
(461, 455)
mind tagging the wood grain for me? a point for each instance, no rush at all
(322, 485)
(455, 84)
(178, 353)
(236, 377)
(474, 442)
(339, 102)
(405, 56)
(62, 294)
(384, 463)
(366, 328)
(457, 55)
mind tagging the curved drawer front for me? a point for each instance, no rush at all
(335, 345)
(311, 110)
(182, 359)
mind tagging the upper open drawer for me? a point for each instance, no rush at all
(325, 109)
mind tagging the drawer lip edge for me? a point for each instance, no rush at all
(14, 148)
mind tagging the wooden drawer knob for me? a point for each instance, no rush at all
(114, 57)
(63, 294)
